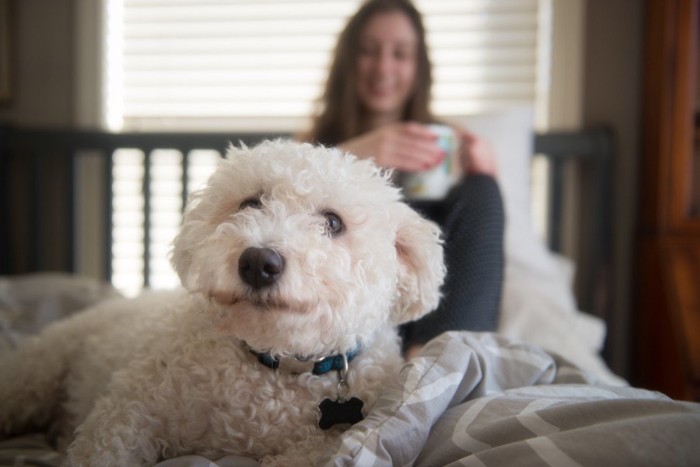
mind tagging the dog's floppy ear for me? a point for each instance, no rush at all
(181, 257)
(421, 269)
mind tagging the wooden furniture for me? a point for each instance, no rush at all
(667, 356)
(39, 201)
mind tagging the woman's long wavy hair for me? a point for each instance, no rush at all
(341, 114)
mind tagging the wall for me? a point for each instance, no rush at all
(612, 96)
(43, 61)
(42, 96)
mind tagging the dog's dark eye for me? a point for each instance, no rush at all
(334, 224)
(254, 203)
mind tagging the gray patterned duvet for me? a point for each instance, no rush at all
(478, 399)
(482, 400)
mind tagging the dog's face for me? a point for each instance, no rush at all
(304, 250)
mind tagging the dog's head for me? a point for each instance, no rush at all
(303, 250)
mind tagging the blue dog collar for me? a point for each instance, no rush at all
(299, 365)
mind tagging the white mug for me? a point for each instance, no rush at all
(436, 182)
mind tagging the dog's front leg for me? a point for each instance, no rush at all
(304, 452)
(124, 425)
(116, 433)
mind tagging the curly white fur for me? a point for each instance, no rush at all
(168, 374)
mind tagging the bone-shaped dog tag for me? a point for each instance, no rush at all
(340, 411)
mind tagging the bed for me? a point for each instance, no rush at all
(536, 392)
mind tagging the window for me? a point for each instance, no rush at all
(148, 191)
(259, 65)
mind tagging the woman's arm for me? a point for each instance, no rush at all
(406, 146)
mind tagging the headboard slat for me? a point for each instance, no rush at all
(592, 150)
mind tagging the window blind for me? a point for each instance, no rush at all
(147, 209)
(261, 64)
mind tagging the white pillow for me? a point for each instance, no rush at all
(538, 305)
(511, 133)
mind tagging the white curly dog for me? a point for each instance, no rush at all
(297, 263)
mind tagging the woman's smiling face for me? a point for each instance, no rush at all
(386, 64)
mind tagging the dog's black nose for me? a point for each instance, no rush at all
(260, 267)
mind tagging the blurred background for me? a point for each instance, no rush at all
(258, 66)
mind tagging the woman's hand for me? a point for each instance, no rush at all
(477, 155)
(407, 146)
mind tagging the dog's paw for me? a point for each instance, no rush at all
(303, 454)
(283, 461)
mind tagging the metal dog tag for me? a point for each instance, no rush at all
(340, 411)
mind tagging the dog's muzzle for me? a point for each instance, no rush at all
(260, 267)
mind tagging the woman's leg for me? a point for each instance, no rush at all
(472, 219)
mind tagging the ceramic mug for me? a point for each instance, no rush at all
(436, 182)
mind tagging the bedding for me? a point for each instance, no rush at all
(30, 302)
(484, 399)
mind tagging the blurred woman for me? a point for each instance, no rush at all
(376, 104)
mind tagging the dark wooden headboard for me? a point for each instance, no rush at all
(38, 205)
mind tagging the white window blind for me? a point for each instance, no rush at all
(260, 64)
(147, 191)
